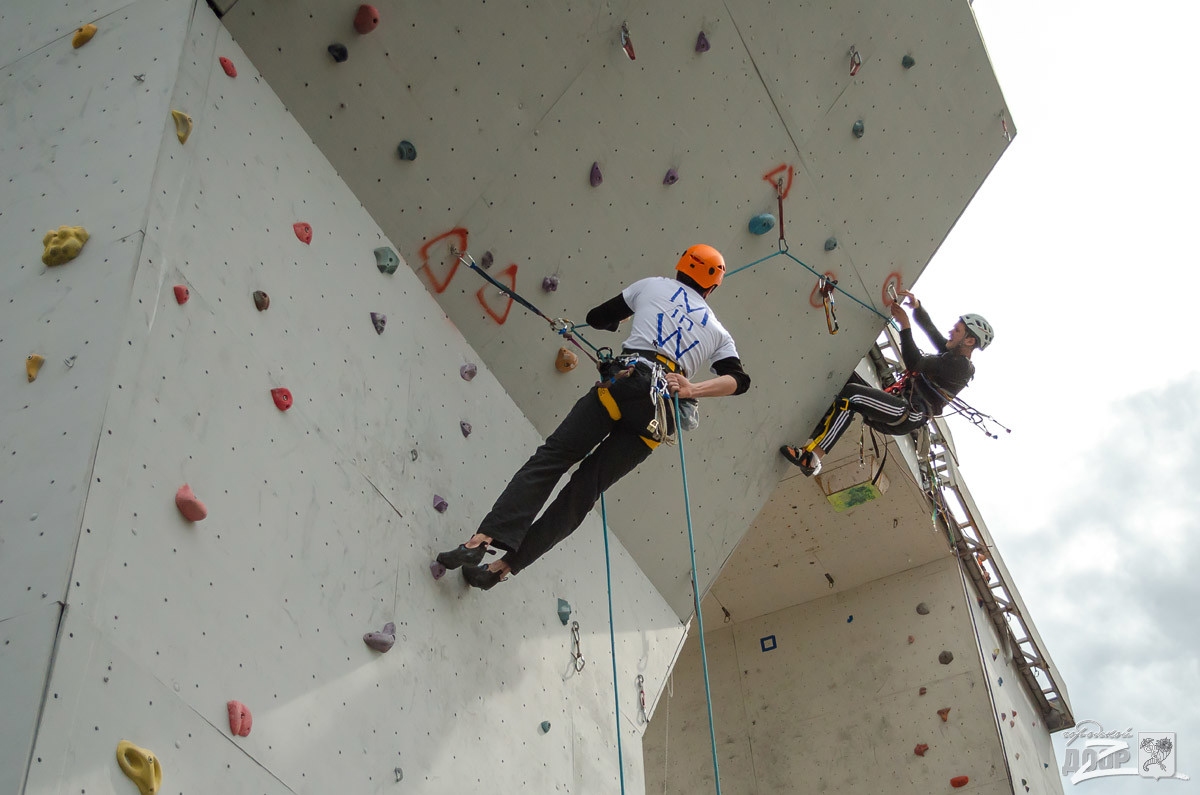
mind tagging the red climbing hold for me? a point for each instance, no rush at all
(921, 749)
(181, 294)
(303, 231)
(381, 641)
(239, 718)
(911, 640)
(626, 42)
(944, 714)
(959, 781)
(282, 398)
(366, 19)
(230, 70)
(922, 691)
(186, 501)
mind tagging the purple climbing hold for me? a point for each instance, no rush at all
(381, 641)
(465, 427)
(487, 260)
(550, 284)
(439, 504)
(596, 177)
(672, 177)
(468, 371)
(437, 570)
(702, 44)
(379, 321)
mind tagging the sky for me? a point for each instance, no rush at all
(1077, 250)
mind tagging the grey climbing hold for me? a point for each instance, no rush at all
(702, 43)
(830, 243)
(761, 224)
(487, 260)
(672, 175)
(468, 371)
(545, 727)
(406, 150)
(596, 177)
(387, 260)
(378, 321)
(413, 453)
(381, 641)
(908, 62)
(465, 427)
(339, 52)
(946, 657)
(439, 504)
(550, 284)
(923, 609)
(564, 611)
(858, 129)
(70, 360)
(399, 775)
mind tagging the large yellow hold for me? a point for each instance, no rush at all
(63, 244)
(140, 765)
(183, 125)
(83, 35)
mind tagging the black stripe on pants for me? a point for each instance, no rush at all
(878, 409)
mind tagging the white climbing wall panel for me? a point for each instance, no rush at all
(321, 523)
(825, 697)
(508, 105)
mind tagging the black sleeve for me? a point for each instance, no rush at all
(732, 365)
(909, 351)
(931, 331)
(608, 316)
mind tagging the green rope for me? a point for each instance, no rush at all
(696, 596)
(612, 640)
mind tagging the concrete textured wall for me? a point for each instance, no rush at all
(321, 522)
(835, 706)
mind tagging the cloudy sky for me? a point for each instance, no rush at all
(1078, 250)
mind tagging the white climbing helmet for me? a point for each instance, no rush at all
(979, 328)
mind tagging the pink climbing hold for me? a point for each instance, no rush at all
(282, 397)
(921, 749)
(468, 371)
(181, 294)
(381, 641)
(239, 718)
(439, 504)
(303, 231)
(230, 70)
(189, 505)
(702, 44)
(366, 19)
(959, 781)
(596, 177)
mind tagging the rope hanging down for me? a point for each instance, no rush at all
(612, 639)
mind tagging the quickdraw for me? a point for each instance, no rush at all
(576, 647)
(826, 286)
(641, 700)
(855, 60)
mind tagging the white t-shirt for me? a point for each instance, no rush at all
(671, 317)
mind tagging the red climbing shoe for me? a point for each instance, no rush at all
(481, 577)
(805, 459)
(462, 555)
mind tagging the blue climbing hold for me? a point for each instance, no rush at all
(858, 129)
(848, 620)
(387, 260)
(406, 150)
(761, 224)
(339, 52)
(564, 611)
(831, 244)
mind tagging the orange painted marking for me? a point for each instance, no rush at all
(511, 273)
(458, 238)
(774, 175)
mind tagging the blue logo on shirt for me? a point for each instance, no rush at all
(681, 314)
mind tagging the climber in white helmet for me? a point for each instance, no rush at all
(928, 384)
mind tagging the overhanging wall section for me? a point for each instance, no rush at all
(321, 522)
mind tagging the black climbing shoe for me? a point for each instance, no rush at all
(805, 459)
(462, 556)
(479, 577)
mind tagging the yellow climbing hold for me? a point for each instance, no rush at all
(140, 765)
(63, 244)
(83, 36)
(183, 125)
(33, 363)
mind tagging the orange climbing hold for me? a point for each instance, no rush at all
(240, 719)
(182, 294)
(228, 66)
(921, 749)
(367, 19)
(189, 505)
(944, 714)
(83, 35)
(33, 363)
(959, 781)
(566, 361)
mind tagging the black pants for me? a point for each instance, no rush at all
(612, 418)
(887, 413)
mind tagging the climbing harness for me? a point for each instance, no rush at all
(826, 285)
(576, 647)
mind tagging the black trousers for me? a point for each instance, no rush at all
(883, 411)
(612, 418)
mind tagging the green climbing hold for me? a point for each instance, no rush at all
(858, 129)
(908, 62)
(387, 260)
(831, 244)
(545, 727)
(564, 611)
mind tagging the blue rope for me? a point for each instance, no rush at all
(696, 596)
(612, 642)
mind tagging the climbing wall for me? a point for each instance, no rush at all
(540, 143)
(322, 509)
(837, 694)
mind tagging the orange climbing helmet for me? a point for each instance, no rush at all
(703, 264)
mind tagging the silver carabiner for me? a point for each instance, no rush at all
(577, 650)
